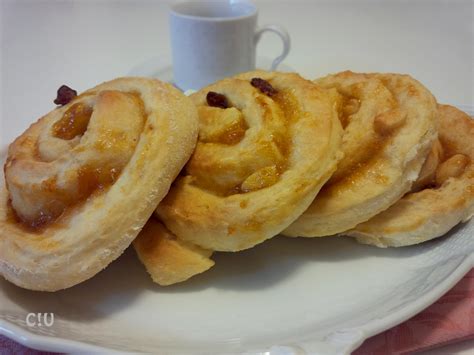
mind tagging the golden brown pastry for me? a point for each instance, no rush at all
(390, 122)
(444, 194)
(267, 142)
(168, 259)
(82, 181)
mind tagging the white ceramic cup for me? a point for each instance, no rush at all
(211, 40)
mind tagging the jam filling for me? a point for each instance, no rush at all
(73, 123)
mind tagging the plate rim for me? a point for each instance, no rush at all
(373, 327)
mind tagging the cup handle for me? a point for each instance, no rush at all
(285, 38)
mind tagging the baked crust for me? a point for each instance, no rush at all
(168, 259)
(446, 199)
(390, 124)
(143, 128)
(257, 165)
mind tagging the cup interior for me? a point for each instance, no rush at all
(214, 9)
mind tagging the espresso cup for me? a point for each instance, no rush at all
(211, 40)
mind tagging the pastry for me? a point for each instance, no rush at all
(443, 195)
(267, 142)
(82, 181)
(168, 259)
(390, 122)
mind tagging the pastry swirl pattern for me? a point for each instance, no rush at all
(390, 122)
(74, 151)
(258, 163)
(82, 181)
(442, 197)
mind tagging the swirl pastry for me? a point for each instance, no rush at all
(390, 122)
(267, 143)
(82, 181)
(444, 194)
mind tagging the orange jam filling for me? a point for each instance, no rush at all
(234, 134)
(89, 180)
(222, 126)
(262, 178)
(288, 104)
(366, 161)
(73, 123)
(92, 179)
(270, 175)
(265, 176)
(291, 109)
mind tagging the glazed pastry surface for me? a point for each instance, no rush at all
(82, 181)
(442, 197)
(267, 143)
(390, 122)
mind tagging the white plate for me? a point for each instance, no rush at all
(322, 295)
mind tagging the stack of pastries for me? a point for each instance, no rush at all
(134, 161)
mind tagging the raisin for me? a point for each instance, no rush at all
(65, 95)
(216, 100)
(264, 86)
